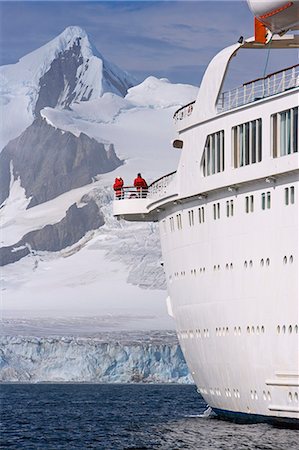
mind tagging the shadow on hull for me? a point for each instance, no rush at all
(245, 418)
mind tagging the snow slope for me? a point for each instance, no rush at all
(101, 273)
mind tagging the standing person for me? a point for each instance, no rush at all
(118, 188)
(141, 185)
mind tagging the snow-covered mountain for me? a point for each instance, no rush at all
(68, 69)
(60, 170)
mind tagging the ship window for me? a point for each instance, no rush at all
(216, 211)
(249, 204)
(286, 196)
(266, 200)
(229, 208)
(213, 155)
(289, 195)
(201, 214)
(179, 221)
(191, 217)
(171, 222)
(285, 132)
(247, 143)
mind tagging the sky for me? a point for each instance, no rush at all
(167, 39)
(172, 39)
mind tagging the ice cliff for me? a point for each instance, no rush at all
(108, 358)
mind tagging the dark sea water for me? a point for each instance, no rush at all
(86, 416)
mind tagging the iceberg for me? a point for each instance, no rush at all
(128, 357)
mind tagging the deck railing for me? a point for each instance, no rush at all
(159, 187)
(130, 192)
(155, 190)
(272, 84)
(183, 112)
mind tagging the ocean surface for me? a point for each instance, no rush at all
(105, 416)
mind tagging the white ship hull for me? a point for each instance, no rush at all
(228, 221)
(233, 291)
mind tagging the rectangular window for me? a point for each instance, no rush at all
(171, 222)
(289, 195)
(292, 192)
(191, 217)
(179, 221)
(213, 155)
(263, 200)
(229, 208)
(286, 196)
(216, 211)
(247, 143)
(266, 200)
(284, 132)
(201, 214)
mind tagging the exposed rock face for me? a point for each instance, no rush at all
(57, 85)
(50, 162)
(55, 237)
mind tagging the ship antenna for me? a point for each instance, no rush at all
(267, 61)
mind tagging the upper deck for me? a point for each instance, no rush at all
(251, 91)
(228, 140)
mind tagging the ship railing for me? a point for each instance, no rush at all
(130, 192)
(183, 112)
(159, 188)
(260, 88)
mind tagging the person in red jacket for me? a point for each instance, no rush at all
(141, 185)
(118, 188)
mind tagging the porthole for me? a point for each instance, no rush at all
(226, 330)
(283, 329)
(268, 262)
(251, 395)
(252, 330)
(226, 266)
(257, 330)
(264, 395)
(291, 259)
(255, 395)
(290, 397)
(296, 329)
(214, 268)
(269, 396)
(262, 262)
(285, 259)
(235, 331)
(245, 264)
(248, 330)
(262, 329)
(239, 331)
(296, 397)
(290, 329)
(231, 265)
(250, 263)
(278, 329)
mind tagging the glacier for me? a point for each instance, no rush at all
(110, 357)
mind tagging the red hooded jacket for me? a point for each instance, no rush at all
(118, 185)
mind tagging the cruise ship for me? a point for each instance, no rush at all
(228, 223)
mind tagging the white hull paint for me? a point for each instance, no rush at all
(228, 221)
